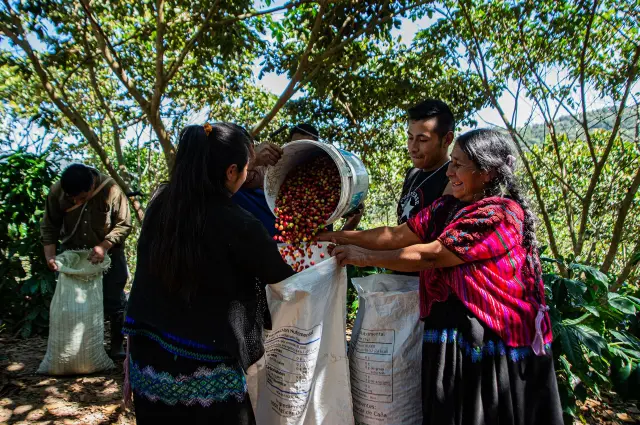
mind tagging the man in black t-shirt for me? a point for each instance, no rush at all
(430, 133)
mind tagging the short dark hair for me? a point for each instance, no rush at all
(434, 108)
(306, 130)
(76, 178)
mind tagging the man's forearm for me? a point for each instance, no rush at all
(381, 238)
(106, 245)
(369, 239)
(118, 234)
(49, 251)
(253, 180)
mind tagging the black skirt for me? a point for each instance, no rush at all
(469, 376)
(168, 387)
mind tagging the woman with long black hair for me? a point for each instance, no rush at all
(197, 306)
(487, 342)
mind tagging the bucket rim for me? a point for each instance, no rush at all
(335, 155)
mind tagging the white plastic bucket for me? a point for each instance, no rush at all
(354, 179)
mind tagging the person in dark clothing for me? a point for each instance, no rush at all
(87, 210)
(430, 133)
(198, 304)
(251, 195)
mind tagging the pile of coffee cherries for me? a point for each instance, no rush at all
(307, 198)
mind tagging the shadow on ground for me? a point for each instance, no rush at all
(27, 398)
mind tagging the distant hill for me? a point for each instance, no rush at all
(599, 119)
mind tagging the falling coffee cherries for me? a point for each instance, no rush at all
(307, 198)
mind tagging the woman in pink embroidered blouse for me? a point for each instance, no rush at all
(486, 347)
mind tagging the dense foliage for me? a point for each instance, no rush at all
(596, 333)
(605, 229)
(26, 284)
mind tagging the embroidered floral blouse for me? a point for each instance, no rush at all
(496, 282)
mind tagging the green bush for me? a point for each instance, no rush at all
(596, 345)
(26, 284)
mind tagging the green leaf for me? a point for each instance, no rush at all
(550, 260)
(620, 370)
(626, 338)
(570, 345)
(621, 303)
(25, 332)
(634, 299)
(593, 310)
(592, 274)
(32, 315)
(590, 338)
(618, 352)
(573, 322)
(633, 354)
(575, 288)
(30, 286)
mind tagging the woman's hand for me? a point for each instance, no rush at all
(351, 254)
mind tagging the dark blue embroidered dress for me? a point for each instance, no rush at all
(187, 355)
(470, 377)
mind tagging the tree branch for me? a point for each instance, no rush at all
(208, 24)
(71, 114)
(628, 268)
(177, 63)
(552, 134)
(365, 30)
(109, 55)
(96, 89)
(543, 84)
(618, 228)
(549, 121)
(482, 71)
(108, 52)
(291, 87)
(586, 204)
(115, 128)
(158, 87)
(583, 54)
(316, 64)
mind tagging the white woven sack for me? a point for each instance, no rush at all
(303, 378)
(385, 353)
(76, 318)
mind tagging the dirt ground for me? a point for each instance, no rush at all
(27, 398)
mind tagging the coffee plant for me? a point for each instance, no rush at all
(596, 333)
(26, 284)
